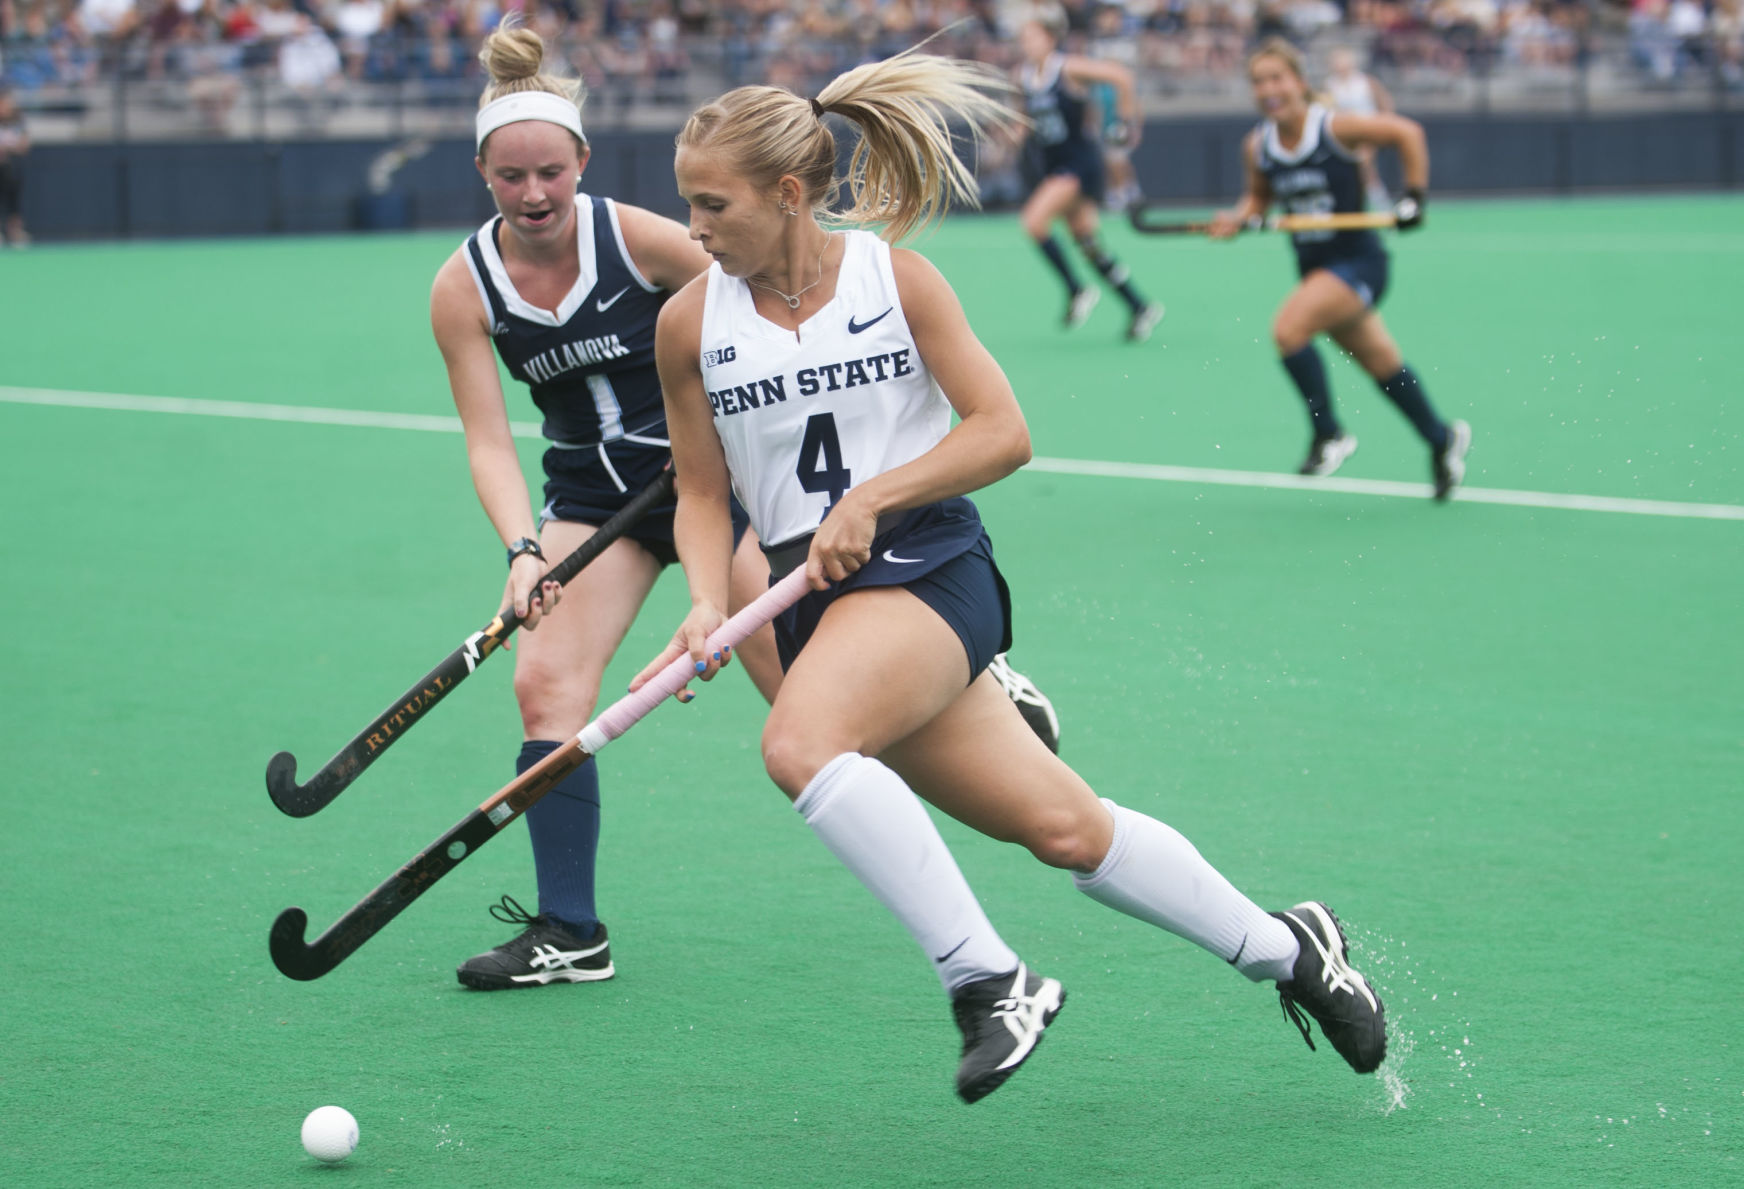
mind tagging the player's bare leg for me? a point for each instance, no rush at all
(880, 664)
(557, 680)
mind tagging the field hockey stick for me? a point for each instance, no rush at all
(301, 800)
(301, 961)
(1145, 220)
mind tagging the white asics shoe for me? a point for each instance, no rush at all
(1448, 465)
(1079, 307)
(1144, 321)
(1326, 455)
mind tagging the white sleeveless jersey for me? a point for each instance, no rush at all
(804, 418)
(1354, 94)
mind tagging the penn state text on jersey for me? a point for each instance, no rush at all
(827, 377)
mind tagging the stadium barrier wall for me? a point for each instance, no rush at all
(145, 189)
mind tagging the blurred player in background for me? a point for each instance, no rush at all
(566, 289)
(1303, 157)
(14, 147)
(859, 475)
(1112, 41)
(1073, 177)
(1349, 89)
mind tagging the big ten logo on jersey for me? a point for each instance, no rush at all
(716, 358)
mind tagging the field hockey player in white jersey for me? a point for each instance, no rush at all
(565, 288)
(814, 371)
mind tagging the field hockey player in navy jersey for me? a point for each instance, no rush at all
(1304, 157)
(816, 372)
(1074, 177)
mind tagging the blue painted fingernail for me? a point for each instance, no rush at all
(727, 651)
(717, 656)
(685, 697)
(702, 666)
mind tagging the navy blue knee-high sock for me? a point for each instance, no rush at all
(1114, 272)
(1309, 373)
(1051, 249)
(564, 826)
(1405, 390)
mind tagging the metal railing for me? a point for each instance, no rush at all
(393, 86)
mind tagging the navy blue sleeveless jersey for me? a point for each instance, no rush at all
(1318, 177)
(589, 363)
(1057, 112)
(1058, 116)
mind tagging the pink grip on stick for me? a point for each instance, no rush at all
(628, 710)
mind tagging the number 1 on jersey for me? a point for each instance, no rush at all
(820, 460)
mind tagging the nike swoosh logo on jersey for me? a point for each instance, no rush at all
(901, 561)
(607, 303)
(856, 327)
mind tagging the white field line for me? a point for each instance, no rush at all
(1385, 487)
(1576, 243)
(430, 423)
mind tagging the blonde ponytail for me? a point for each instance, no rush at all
(904, 172)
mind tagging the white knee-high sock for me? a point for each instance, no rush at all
(878, 828)
(1153, 873)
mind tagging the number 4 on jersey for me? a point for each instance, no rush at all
(820, 460)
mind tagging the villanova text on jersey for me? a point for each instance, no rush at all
(588, 363)
(548, 365)
(809, 381)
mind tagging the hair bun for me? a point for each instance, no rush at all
(511, 54)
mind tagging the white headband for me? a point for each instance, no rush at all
(529, 105)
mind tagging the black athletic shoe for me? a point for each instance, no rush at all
(1001, 1019)
(1447, 465)
(1324, 985)
(1037, 711)
(545, 952)
(1326, 455)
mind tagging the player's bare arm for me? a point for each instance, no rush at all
(458, 319)
(1355, 130)
(1255, 200)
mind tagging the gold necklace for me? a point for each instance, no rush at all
(792, 299)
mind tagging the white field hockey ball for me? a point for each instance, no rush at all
(330, 1133)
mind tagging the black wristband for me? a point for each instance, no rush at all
(525, 545)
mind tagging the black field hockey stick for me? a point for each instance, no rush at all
(304, 961)
(301, 800)
(1151, 220)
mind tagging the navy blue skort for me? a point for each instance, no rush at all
(942, 555)
(587, 484)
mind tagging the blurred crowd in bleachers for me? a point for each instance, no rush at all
(208, 57)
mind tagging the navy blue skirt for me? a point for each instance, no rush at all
(1367, 275)
(1081, 159)
(587, 484)
(942, 555)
